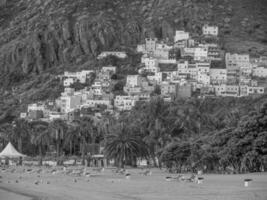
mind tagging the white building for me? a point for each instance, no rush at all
(69, 103)
(156, 78)
(218, 76)
(162, 51)
(201, 54)
(220, 89)
(151, 64)
(118, 54)
(188, 51)
(95, 102)
(255, 90)
(69, 81)
(76, 76)
(23, 115)
(97, 88)
(203, 67)
(181, 35)
(69, 100)
(168, 89)
(133, 80)
(123, 103)
(232, 91)
(203, 70)
(187, 70)
(110, 69)
(203, 79)
(36, 107)
(236, 61)
(260, 71)
(210, 30)
(141, 48)
(150, 45)
(56, 115)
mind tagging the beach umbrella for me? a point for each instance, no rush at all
(10, 152)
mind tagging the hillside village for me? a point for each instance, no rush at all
(189, 66)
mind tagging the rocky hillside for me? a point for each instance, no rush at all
(39, 37)
(36, 35)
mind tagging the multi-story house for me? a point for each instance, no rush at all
(97, 88)
(203, 78)
(156, 78)
(255, 90)
(118, 54)
(184, 43)
(246, 70)
(168, 89)
(36, 110)
(132, 90)
(181, 36)
(236, 61)
(246, 90)
(151, 64)
(243, 90)
(137, 84)
(187, 70)
(123, 103)
(36, 106)
(69, 101)
(150, 45)
(226, 90)
(184, 90)
(110, 69)
(210, 30)
(220, 89)
(218, 76)
(233, 76)
(77, 76)
(69, 81)
(260, 71)
(95, 102)
(162, 51)
(232, 91)
(201, 54)
(133, 80)
(188, 52)
(203, 67)
(143, 96)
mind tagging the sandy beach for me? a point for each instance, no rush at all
(76, 183)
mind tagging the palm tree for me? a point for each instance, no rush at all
(85, 132)
(122, 145)
(58, 129)
(5, 133)
(40, 136)
(70, 137)
(21, 130)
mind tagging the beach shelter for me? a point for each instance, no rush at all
(10, 152)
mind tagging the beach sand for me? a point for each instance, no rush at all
(56, 185)
(6, 195)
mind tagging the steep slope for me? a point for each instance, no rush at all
(39, 38)
(38, 35)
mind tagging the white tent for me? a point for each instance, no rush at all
(10, 152)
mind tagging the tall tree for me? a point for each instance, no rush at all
(40, 136)
(86, 132)
(71, 138)
(21, 130)
(58, 129)
(122, 145)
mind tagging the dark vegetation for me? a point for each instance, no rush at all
(215, 135)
